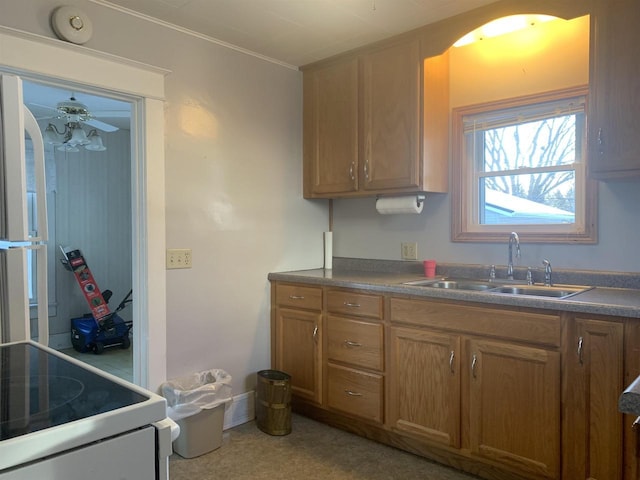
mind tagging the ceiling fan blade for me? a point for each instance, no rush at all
(44, 106)
(105, 127)
(111, 113)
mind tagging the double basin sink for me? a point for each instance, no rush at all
(502, 287)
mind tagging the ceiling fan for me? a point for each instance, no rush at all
(74, 115)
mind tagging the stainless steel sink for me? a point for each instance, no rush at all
(539, 291)
(557, 292)
(457, 284)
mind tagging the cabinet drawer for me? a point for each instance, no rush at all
(517, 325)
(299, 296)
(358, 304)
(356, 342)
(355, 392)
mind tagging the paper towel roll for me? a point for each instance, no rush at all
(404, 204)
(328, 250)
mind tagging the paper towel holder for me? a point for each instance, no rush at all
(419, 198)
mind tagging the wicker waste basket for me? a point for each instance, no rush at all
(273, 402)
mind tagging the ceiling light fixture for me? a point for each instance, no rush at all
(502, 26)
(72, 137)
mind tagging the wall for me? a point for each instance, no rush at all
(362, 233)
(233, 184)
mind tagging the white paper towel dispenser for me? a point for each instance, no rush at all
(400, 205)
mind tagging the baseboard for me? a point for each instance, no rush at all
(60, 341)
(241, 409)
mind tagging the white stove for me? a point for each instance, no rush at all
(62, 419)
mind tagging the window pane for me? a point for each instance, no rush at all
(539, 198)
(541, 143)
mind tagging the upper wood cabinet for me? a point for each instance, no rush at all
(614, 144)
(367, 130)
(331, 129)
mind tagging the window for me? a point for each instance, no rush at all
(520, 164)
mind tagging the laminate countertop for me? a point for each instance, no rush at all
(600, 300)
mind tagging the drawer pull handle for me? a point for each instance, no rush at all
(352, 393)
(315, 333)
(351, 305)
(636, 424)
(579, 352)
(452, 356)
(296, 297)
(474, 362)
(350, 343)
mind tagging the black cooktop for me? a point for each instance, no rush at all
(39, 390)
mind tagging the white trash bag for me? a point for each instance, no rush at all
(189, 395)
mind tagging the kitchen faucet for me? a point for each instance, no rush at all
(513, 238)
(547, 273)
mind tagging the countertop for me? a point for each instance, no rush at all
(622, 302)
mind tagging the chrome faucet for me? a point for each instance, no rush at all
(547, 273)
(513, 238)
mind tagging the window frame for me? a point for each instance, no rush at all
(464, 203)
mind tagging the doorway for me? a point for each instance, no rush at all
(30, 56)
(87, 139)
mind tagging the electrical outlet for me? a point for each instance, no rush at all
(409, 250)
(178, 258)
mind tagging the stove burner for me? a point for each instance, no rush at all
(37, 398)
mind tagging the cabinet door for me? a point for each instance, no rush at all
(594, 381)
(331, 129)
(614, 144)
(514, 406)
(391, 117)
(298, 351)
(425, 385)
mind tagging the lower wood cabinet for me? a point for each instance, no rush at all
(297, 330)
(424, 384)
(490, 398)
(514, 406)
(355, 354)
(501, 392)
(593, 427)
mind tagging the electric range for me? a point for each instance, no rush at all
(55, 410)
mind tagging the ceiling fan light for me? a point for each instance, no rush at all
(78, 137)
(67, 147)
(95, 142)
(51, 136)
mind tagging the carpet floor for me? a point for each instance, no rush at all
(311, 451)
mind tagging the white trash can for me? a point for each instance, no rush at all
(197, 403)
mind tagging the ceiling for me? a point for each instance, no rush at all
(297, 32)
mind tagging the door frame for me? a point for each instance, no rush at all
(41, 58)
